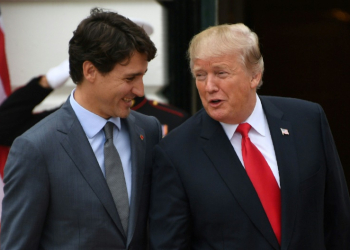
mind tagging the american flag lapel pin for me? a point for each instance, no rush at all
(141, 137)
(284, 131)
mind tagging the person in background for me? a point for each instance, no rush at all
(16, 112)
(169, 116)
(247, 171)
(80, 178)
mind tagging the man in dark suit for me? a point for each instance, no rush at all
(80, 178)
(247, 171)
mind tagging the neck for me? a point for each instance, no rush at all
(85, 98)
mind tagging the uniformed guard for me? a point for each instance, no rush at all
(169, 116)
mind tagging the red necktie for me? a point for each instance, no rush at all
(263, 180)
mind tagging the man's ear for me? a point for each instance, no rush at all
(254, 81)
(89, 71)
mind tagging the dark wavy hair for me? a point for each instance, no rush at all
(106, 38)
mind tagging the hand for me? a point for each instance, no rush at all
(58, 75)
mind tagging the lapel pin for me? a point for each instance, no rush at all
(141, 137)
(284, 131)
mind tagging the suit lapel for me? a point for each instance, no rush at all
(287, 165)
(77, 146)
(137, 166)
(224, 158)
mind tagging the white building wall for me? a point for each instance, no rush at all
(37, 35)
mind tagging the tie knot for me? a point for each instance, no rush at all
(108, 129)
(243, 129)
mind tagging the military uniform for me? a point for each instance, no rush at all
(169, 116)
(16, 112)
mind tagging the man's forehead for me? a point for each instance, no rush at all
(214, 62)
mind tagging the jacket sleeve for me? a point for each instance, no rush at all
(169, 212)
(337, 201)
(26, 197)
(16, 112)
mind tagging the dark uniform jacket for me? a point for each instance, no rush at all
(16, 112)
(169, 116)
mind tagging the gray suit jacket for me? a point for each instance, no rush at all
(56, 196)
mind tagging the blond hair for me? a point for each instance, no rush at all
(228, 39)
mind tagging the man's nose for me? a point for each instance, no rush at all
(211, 84)
(139, 89)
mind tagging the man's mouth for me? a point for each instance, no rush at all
(128, 99)
(215, 103)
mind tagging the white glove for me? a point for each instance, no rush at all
(58, 75)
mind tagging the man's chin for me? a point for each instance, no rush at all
(217, 115)
(124, 114)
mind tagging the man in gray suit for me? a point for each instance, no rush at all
(62, 189)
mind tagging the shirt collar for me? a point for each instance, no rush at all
(91, 123)
(255, 120)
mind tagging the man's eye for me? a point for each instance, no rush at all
(222, 74)
(200, 77)
(130, 79)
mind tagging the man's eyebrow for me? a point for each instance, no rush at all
(135, 74)
(197, 68)
(220, 66)
(217, 66)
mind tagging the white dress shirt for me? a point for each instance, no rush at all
(259, 135)
(93, 127)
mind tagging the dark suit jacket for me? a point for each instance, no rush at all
(56, 196)
(202, 198)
